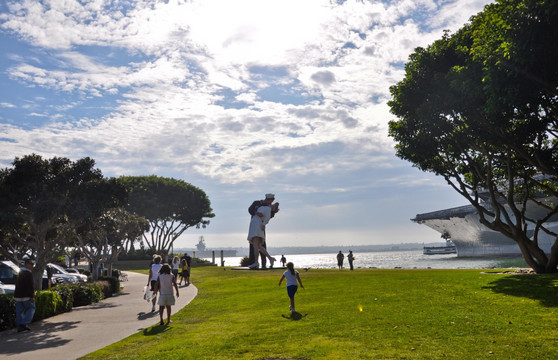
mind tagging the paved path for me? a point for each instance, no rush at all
(89, 328)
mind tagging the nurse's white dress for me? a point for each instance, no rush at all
(257, 224)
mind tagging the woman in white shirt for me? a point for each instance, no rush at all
(292, 277)
(153, 276)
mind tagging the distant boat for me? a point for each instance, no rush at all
(440, 250)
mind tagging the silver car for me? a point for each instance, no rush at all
(59, 271)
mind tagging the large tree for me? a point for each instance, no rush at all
(103, 238)
(171, 206)
(43, 200)
(479, 108)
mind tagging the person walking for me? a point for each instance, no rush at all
(351, 258)
(153, 276)
(175, 266)
(188, 271)
(292, 277)
(164, 284)
(340, 258)
(283, 260)
(24, 296)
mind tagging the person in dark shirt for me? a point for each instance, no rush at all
(269, 198)
(24, 296)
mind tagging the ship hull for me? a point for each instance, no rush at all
(473, 239)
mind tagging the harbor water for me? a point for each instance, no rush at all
(414, 259)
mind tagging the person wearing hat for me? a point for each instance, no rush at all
(24, 296)
(268, 201)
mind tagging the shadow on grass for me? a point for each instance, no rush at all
(156, 329)
(543, 288)
(294, 316)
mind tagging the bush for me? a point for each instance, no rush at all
(67, 296)
(7, 312)
(86, 293)
(245, 261)
(105, 287)
(47, 303)
(113, 281)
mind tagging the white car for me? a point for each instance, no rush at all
(59, 271)
(6, 288)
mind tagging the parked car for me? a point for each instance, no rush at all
(9, 271)
(72, 270)
(59, 271)
(6, 288)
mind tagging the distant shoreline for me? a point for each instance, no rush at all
(293, 250)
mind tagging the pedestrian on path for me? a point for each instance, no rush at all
(164, 285)
(153, 276)
(292, 277)
(24, 296)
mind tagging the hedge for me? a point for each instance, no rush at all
(7, 311)
(47, 304)
(113, 281)
(86, 293)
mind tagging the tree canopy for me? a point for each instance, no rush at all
(171, 206)
(42, 201)
(479, 108)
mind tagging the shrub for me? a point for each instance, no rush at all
(67, 296)
(106, 289)
(7, 311)
(47, 303)
(86, 293)
(113, 281)
(245, 261)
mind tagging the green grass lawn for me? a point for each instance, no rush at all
(364, 314)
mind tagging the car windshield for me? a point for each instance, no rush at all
(57, 269)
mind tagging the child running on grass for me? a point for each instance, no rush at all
(164, 285)
(292, 277)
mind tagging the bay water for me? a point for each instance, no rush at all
(412, 259)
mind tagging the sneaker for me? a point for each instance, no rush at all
(254, 265)
(23, 328)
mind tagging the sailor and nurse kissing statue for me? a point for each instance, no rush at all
(262, 211)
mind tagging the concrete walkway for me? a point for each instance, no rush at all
(89, 328)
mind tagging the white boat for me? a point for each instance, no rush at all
(449, 248)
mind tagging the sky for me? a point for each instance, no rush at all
(239, 98)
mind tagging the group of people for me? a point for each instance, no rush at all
(341, 258)
(163, 278)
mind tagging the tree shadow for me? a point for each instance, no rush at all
(543, 288)
(40, 337)
(295, 316)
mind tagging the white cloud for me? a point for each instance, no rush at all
(239, 95)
